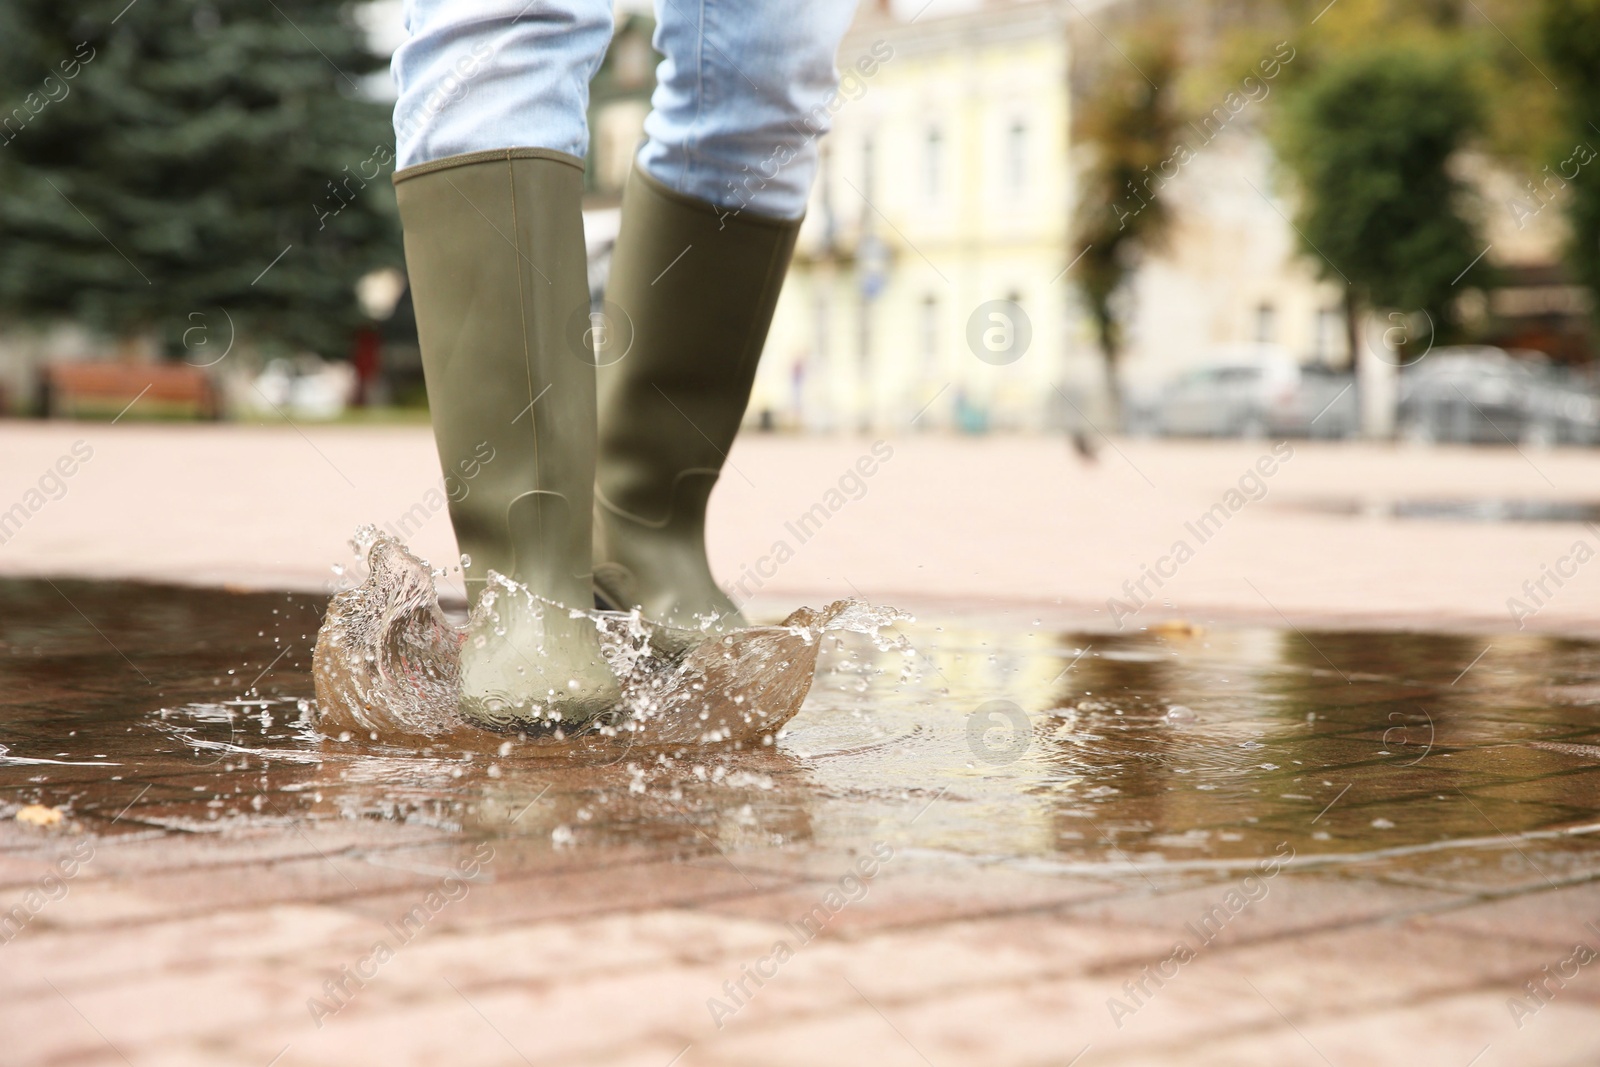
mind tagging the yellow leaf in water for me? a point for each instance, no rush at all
(1177, 628)
(39, 815)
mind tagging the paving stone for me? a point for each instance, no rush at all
(1249, 907)
(1555, 917)
(1452, 1032)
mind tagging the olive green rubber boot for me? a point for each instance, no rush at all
(690, 298)
(495, 252)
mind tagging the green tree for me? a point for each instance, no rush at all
(156, 157)
(1570, 32)
(1370, 136)
(1130, 125)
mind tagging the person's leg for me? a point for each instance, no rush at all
(475, 75)
(709, 220)
(490, 126)
(742, 99)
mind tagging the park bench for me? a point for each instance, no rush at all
(74, 389)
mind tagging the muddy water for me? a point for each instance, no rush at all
(139, 708)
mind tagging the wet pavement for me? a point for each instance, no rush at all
(1182, 845)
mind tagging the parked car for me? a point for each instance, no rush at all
(1323, 404)
(1475, 394)
(1256, 392)
(1564, 409)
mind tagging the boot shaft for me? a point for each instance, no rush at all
(495, 253)
(698, 287)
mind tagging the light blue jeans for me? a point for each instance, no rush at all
(740, 99)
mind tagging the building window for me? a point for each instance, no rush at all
(1017, 156)
(869, 166)
(933, 163)
(930, 331)
(1266, 324)
(864, 325)
(822, 324)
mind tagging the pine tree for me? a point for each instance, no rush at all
(163, 159)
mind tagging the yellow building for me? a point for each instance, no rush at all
(947, 186)
(944, 186)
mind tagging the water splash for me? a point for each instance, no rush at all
(387, 665)
(387, 660)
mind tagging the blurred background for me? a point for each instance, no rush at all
(1364, 218)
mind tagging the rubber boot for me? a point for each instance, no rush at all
(691, 295)
(495, 252)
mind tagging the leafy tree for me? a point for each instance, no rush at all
(1570, 32)
(1370, 136)
(157, 156)
(1519, 105)
(1130, 124)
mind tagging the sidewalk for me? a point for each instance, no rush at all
(975, 525)
(892, 883)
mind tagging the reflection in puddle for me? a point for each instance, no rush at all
(188, 711)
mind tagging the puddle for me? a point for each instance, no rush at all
(1455, 509)
(161, 710)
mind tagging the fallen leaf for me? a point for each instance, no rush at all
(39, 815)
(1177, 628)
